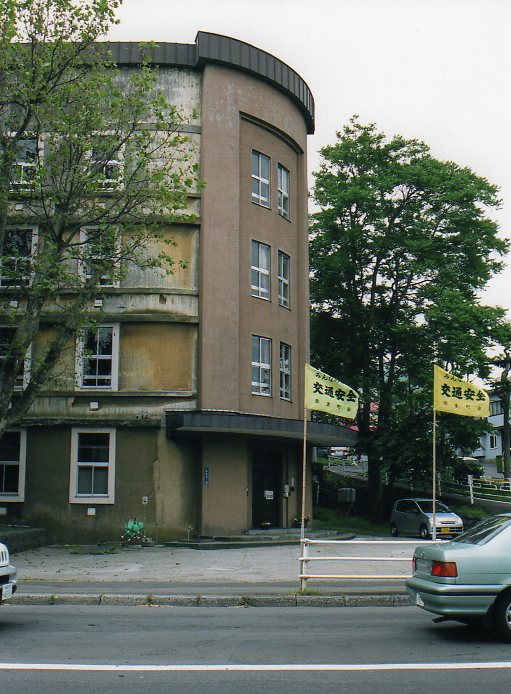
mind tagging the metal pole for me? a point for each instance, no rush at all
(434, 474)
(303, 564)
(304, 473)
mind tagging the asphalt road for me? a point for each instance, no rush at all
(146, 649)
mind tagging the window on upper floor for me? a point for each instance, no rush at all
(285, 371)
(260, 270)
(283, 191)
(260, 179)
(495, 407)
(25, 166)
(107, 162)
(92, 473)
(12, 465)
(19, 247)
(6, 336)
(283, 277)
(100, 254)
(97, 358)
(493, 440)
(261, 365)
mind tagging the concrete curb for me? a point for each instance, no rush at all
(198, 600)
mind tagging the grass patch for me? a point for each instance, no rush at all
(305, 591)
(330, 519)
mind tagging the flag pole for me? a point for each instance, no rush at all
(304, 472)
(433, 534)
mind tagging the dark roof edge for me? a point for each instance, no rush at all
(223, 50)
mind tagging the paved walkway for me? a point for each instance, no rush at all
(163, 575)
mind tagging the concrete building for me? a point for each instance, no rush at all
(192, 419)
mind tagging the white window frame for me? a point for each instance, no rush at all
(21, 183)
(81, 357)
(261, 370)
(74, 496)
(103, 280)
(260, 183)
(492, 441)
(495, 408)
(24, 377)
(28, 229)
(284, 279)
(20, 496)
(110, 185)
(261, 275)
(285, 371)
(283, 187)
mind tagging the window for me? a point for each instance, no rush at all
(97, 357)
(107, 163)
(92, 475)
(19, 246)
(493, 440)
(12, 465)
(261, 270)
(285, 371)
(495, 407)
(6, 336)
(261, 365)
(24, 169)
(260, 179)
(100, 254)
(283, 277)
(283, 191)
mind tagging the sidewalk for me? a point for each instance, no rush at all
(249, 576)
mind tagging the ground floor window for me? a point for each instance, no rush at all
(92, 475)
(12, 466)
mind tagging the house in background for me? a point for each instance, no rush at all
(184, 407)
(491, 442)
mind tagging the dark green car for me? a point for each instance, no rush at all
(469, 578)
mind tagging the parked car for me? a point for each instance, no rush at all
(415, 517)
(467, 579)
(7, 575)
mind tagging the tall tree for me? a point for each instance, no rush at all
(92, 163)
(400, 247)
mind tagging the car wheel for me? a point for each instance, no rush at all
(502, 616)
(424, 532)
(393, 530)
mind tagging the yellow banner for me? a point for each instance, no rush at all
(322, 392)
(451, 394)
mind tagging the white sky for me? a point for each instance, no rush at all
(435, 70)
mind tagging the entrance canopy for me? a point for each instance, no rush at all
(318, 433)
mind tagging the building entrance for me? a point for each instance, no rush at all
(266, 488)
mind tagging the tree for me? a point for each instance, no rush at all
(94, 160)
(400, 247)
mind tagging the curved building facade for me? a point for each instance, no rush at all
(202, 424)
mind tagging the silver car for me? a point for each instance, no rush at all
(468, 579)
(415, 517)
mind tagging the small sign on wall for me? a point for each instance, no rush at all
(268, 494)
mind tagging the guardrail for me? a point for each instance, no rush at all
(305, 559)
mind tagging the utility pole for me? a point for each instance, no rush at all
(503, 388)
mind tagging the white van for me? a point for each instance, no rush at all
(7, 575)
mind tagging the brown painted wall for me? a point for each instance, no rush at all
(225, 500)
(228, 313)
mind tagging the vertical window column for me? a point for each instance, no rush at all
(98, 358)
(283, 191)
(260, 179)
(92, 474)
(261, 264)
(283, 278)
(12, 465)
(261, 365)
(285, 371)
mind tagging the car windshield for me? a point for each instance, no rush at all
(426, 506)
(484, 531)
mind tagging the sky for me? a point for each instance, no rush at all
(435, 70)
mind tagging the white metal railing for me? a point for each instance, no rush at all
(305, 559)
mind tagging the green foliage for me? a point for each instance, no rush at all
(330, 519)
(103, 151)
(400, 248)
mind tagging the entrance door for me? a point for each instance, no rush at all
(266, 488)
